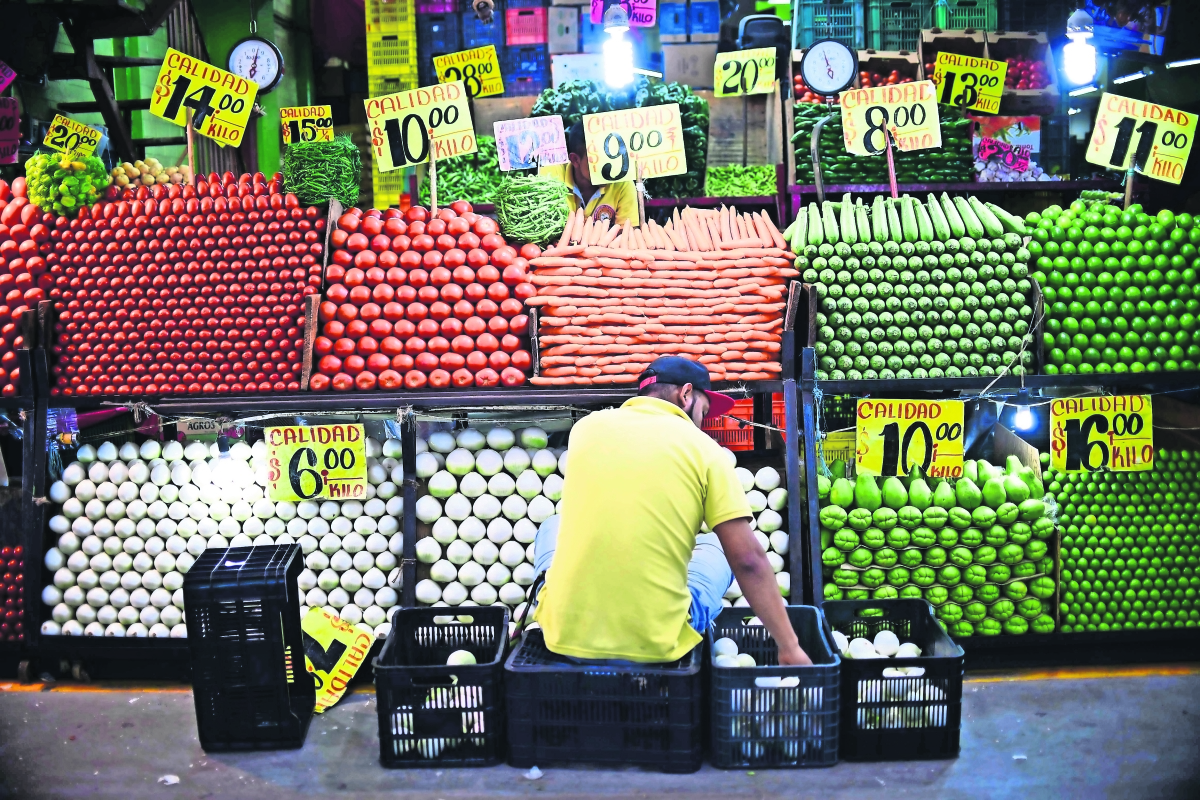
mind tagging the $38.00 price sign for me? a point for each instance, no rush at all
(896, 435)
(637, 142)
(907, 110)
(1093, 433)
(220, 101)
(327, 462)
(68, 136)
(478, 69)
(1164, 137)
(306, 124)
(745, 72)
(968, 82)
(408, 128)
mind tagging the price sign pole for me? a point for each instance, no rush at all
(896, 435)
(1095, 433)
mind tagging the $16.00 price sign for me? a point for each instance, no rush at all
(1092, 433)
(307, 124)
(896, 435)
(1164, 137)
(408, 128)
(907, 110)
(637, 142)
(478, 69)
(327, 462)
(220, 101)
(745, 72)
(968, 82)
(68, 136)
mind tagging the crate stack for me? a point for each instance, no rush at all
(814, 20)
(519, 31)
(391, 67)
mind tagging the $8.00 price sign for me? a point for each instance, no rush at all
(907, 110)
(220, 101)
(410, 127)
(68, 136)
(637, 142)
(745, 72)
(307, 124)
(896, 435)
(478, 69)
(327, 462)
(1093, 433)
(968, 82)
(1164, 137)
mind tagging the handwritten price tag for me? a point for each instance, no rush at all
(1015, 158)
(620, 143)
(1164, 137)
(220, 101)
(7, 76)
(533, 142)
(896, 435)
(410, 127)
(1093, 433)
(908, 111)
(10, 130)
(68, 136)
(745, 72)
(306, 124)
(334, 649)
(642, 13)
(317, 461)
(478, 69)
(968, 82)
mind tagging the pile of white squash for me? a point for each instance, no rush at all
(880, 703)
(768, 500)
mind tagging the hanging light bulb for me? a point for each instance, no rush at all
(1079, 56)
(1023, 420)
(618, 51)
(223, 471)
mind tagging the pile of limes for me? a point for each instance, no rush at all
(1119, 288)
(1131, 545)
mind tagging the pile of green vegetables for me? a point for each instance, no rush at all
(738, 181)
(573, 99)
(474, 177)
(317, 171)
(64, 184)
(531, 208)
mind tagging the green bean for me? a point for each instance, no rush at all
(532, 208)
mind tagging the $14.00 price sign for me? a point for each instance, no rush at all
(327, 462)
(968, 82)
(745, 72)
(68, 136)
(220, 101)
(307, 124)
(1164, 137)
(637, 142)
(408, 128)
(907, 110)
(896, 435)
(478, 69)
(1093, 433)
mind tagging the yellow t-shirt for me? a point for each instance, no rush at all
(641, 479)
(619, 199)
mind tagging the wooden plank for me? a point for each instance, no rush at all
(727, 130)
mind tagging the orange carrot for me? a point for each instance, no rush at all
(565, 239)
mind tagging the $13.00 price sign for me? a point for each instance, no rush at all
(896, 435)
(1164, 137)
(637, 142)
(907, 110)
(745, 72)
(328, 462)
(306, 124)
(968, 82)
(408, 128)
(1092, 433)
(478, 69)
(220, 101)
(68, 136)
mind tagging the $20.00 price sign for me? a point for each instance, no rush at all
(328, 462)
(968, 82)
(635, 143)
(478, 69)
(68, 136)
(408, 128)
(745, 72)
(896, 435)
(1091, 433)
(1164, 137)
(307, 124)
(908, 110)
(220, 101)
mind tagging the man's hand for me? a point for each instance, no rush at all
(793, 657)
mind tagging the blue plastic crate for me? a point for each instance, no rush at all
(842, 20)
(704, 18)
(672, 21)
(525, 4)
(524, 85)
(476, 34)
(526, 60)
(592, 35)
(438, 33)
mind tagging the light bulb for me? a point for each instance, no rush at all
(618, 60)
(223, 469)
(1024, 418)
(1079, 60)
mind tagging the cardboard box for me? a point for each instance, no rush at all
(564, 29)
(936, 40)
(691, 64)
(576, 66)
(1029, 47)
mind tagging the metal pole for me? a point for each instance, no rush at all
(408, 562)
(816, 157)
(808, 411)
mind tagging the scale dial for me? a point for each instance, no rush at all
(258, 60)
(829, 67)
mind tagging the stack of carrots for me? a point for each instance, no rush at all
(709, 285)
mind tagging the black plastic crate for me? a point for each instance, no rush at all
(527, 60)
(560, 711)
(477, 34)
(903, 718)
(773, 716)
(431, 714)
(249, 680)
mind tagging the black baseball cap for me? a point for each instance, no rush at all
(677, 371)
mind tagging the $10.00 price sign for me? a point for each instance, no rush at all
(896, 435)
(220, 101)
(307, 124)
(408, 128)
(968, 82)
(328, 462)
(637, 142)
(68, 136)
(1164, 137)
(745, 72)
(907, 110)
(478, 69)
(1092, 433)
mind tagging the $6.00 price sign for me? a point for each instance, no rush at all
(896, 435)
(410, 127)
(1164, 137)
(327, 462)
(635, 143)
(907, 110)
(220, 101)
(1092, 433)
(745, 72)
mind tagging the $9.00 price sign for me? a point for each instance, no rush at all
(220, 101)
(68, 136)
(306, 124)
(328, 462)
(968, 82)
(1092, 433)
(637, 142)
(410, 127)
(478, 69)
(745, 72)
(896, 435)
(908, 110)
(1158, 139)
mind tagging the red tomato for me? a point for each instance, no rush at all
(391, 346)
(464, 309)
(410, 259)
(426, 362)
(445, 242)
(530, 251)
(497, 326)
(402, 362)
(354, 277)
(337, 293)
(378, 362)
(334, 329)
(487, 274)
(364, 381)
(511, 307)
(401, 244)
(418, 278)
(348, 222)
(435, 227)
(360, 295)
(427, 328)
(416, 311)
(462, 344)
(374, 276)
(487, 308)
(343, 347)
(390, 379)
(427, 294)
(464, 275)
(457, 227)
(371, 226)
(486, 378)
(476, 360)
(423, 243)
(414, 345)
(341, 383)
(380, 328)
(497, 292)
(454, 258)
(521, 359)
(367, 346)
(414, 379)
(334, 273)
(383, 293)
(440, 276)
(432, 259)
(328, 310)
(460, 206)
(416, 214)
(476, 258)
(338, 238)
(358, 242)
(403, 329)
(451, 361)
(509, 343)
(406, 294)
(439, 379)
(487, 343)
(329, 365)
(462, 378)
(394, 227)
(485, 225)
(438, 345)
(354, 364)
(347, 312)
(524, 291)
(318, 383)
(468, 241)
(451, 293)
(473, 326)
(491, 242)
(498, 360)
(474, 292)
(393, 311)
(395, 276)
(439, 310)
(513, 275)
(380, 243)
(519, 324)
(416, 228)
(451, 327)
(512, 376)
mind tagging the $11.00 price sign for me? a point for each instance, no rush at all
(307, 124)
(907, 110)
(896, 435)
(408, 128)
(1164, 137)
(745, 72)
(68, 136)
(968, 82)
(1092, 433)
(478, 69)
(637, 142)
(327, 462)
(220, 101)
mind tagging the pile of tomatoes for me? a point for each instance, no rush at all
(418, 302)
(1024, 74)
(801, 93)
(24, 233)
(868, 79)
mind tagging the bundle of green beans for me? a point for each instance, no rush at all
(532, 208)
(317, 171)
(474, 177)
(738, 181)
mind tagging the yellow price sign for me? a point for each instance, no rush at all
(306, 124)
(744, 72)
(410, 127)
(478, 69)
(635, 143)
(896, 435)
(220, 101)
(68, 136)
(334, 649)
(908, 111)
(969, 82)
(1164, 137)
(1094, 433)
(307, 462)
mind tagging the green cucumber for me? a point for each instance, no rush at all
(849, 228)
(941, 228)
(924, 224)
(908, 220)
(957, 229)
(829, 222)
(816, 234)
(879, 229)
(799, 232)
(1011, 224)
(970, 221)
(895, 231)
(862, 221)
(986, 218)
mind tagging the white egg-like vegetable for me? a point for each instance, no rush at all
(428, 551)
(428, 508)
(552, 487)
(445, 530)
(443, 571)
(540, 510)
(544, 462)
(486, 507)
(472, 485)
(523, 574)
(428, 592)
(458, 552)
(745, 478)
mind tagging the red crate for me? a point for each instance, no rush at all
(729, 432)
(525, 26)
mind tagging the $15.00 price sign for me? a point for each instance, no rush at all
(410, 127)
(896, 435)
(68, 136)
(745, 72)
(220, 101)
(478, 69)
(968, 82)
(1092, 433)
(907, 110)
(307, 124)
(328, 462)
(1164, 137)
(635, 143)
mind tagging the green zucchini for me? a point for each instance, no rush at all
(849, 228)
(816, 234)
(957, 229)
(895, 231)
(924, 224)
(829, 222)
(941, 228)
(970, 221)
(908, 220)
(862, 221)
(800, 232)
(879, 229)
(1010, 223)
(990, 224)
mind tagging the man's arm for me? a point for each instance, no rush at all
(757, 581)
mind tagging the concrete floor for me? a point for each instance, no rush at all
(1082, 734)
